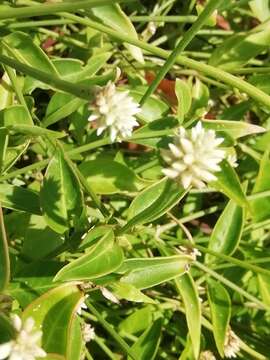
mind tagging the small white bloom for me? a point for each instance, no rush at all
(194, 156)
(26, 344)
(232, 345)
(88, 332)
(109, 295)
(207, 355)
(114, 111)
(232, 160)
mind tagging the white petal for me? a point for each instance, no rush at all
(175, 150)
(186, 179)
(17, 322)
(187, 145)
(5, 349)
(170, 173)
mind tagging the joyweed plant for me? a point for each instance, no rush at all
(134, 179)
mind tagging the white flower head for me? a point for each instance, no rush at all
(207, 355)
(232, 345)
(26, 344)
(88, 332)
(114, 111)
(194, 156)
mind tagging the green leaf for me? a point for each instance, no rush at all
(33, 280)
(155, 134)
(152, 109)
(229, 183)
(6, 92)
(39, 239)
(184, 96)
(3, 146)
(200, 98)
(260, 9)
(15, 115)
(189, 294)
(129, 292)
(235, 129)
(35, 131)
(17, 198)
(261, 81)
(146, 346)
(113, 16)
(154, 202)
(78, 73)
(137, 321)
(4, 255)
(240, 48)
(61, 106)
(54, 312)
(102, 259)
(264, 287)
(109, 177)
(261, 206)
(220, 308)
(26, 51)
(61, 197)
(148, 272)
(228, 229)
(75, 344)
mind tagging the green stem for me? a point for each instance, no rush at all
(112, 332)
(242, 264)
(47, 9)
(231, 285)
(36, 23)
(212, 71)
(5, 262)
(78, 90)
(187, 38)
(169, 19)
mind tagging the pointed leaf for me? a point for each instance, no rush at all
(147, 272)
(102, 259)
(261, 206)
(25, 49)
(146, 346)
(17, 198)
(240, 48)
(109, 177)
(154, 201)
(235, 129)
(184, 96)
(229, 183)
(61, 197)
(228, 229)
(3, 146)
(220, 308)
(113, 16)
(54, 312)
(4, 255)
(129, 292)
(189, 294)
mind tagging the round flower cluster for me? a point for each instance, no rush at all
(114, 111)
(26, 344)
(193, 157)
